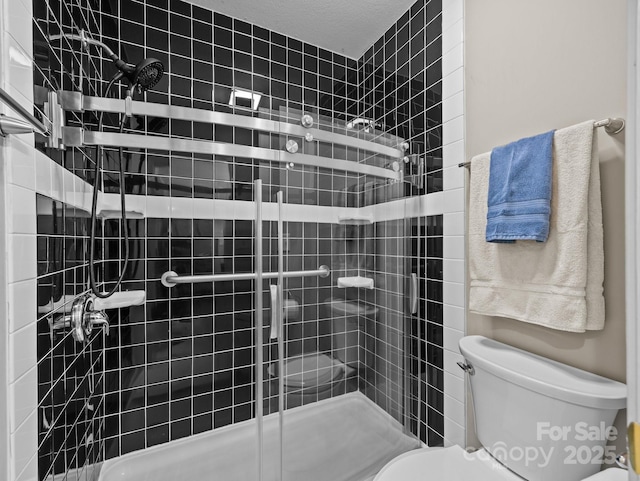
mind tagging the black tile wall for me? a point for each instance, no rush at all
(401, 89)
(62, 64)
(183, 363)
(425, 346)
(70, 374)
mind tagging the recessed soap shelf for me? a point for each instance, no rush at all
(356, 281)
(355, 220)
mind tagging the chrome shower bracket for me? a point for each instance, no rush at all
(128, 105)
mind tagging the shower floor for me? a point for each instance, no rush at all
(347, 438)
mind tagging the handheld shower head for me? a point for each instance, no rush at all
(144, 74)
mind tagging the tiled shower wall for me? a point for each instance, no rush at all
(401, 89)
(70, 374)
(179, 358)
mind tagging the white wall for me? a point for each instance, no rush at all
(633, 225)
(533, 66)
(18, 459)
(453, 273)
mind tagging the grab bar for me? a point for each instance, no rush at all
(11, 102)
(171, 278)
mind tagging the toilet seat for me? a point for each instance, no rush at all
(455, 464)
(452, 463)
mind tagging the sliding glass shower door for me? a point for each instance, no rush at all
(334, 360)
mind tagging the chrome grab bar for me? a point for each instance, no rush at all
(11, 102)
(171, 278)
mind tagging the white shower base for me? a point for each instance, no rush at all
(346, 438)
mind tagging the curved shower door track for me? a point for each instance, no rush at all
(77, 137)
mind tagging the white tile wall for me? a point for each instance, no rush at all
(453, 152)
(454, 218)
(22, 311)
(21, 166)
(21, 204)
(24, 457)
(20, 182)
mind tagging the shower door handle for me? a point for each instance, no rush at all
(276, 311)
(414, 293)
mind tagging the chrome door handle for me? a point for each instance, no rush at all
(275, 311)
(414, 293)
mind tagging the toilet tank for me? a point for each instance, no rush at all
(543, 419)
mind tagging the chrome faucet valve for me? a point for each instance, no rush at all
(76, 323)
(96, 318)
(82, 319)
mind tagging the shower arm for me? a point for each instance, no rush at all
(86, 41)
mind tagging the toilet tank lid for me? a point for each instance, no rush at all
(536, 373)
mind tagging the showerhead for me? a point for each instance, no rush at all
(144, 74)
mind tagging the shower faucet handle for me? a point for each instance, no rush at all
(96, 318)
(82, 319)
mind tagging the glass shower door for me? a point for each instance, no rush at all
(334, 376)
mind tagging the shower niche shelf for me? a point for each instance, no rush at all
(355, 220)
(356, 281)
(117, 214)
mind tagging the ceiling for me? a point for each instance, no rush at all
(343, 26)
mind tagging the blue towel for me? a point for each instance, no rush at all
(519, 200)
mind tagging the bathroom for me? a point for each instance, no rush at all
(368, 185)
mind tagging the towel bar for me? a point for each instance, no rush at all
(611, 126)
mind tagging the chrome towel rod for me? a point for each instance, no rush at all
(171, 278)
(612, 126)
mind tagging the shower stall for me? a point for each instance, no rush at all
(288, 260)
(320, 323)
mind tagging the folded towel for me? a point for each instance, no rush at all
(557, 284)
(520, 190)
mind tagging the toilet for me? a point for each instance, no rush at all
(536, 419)
(310, 377)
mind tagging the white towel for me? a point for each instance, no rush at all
(556, 284)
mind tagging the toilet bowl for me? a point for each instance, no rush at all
(310, 377)
(531, 414)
